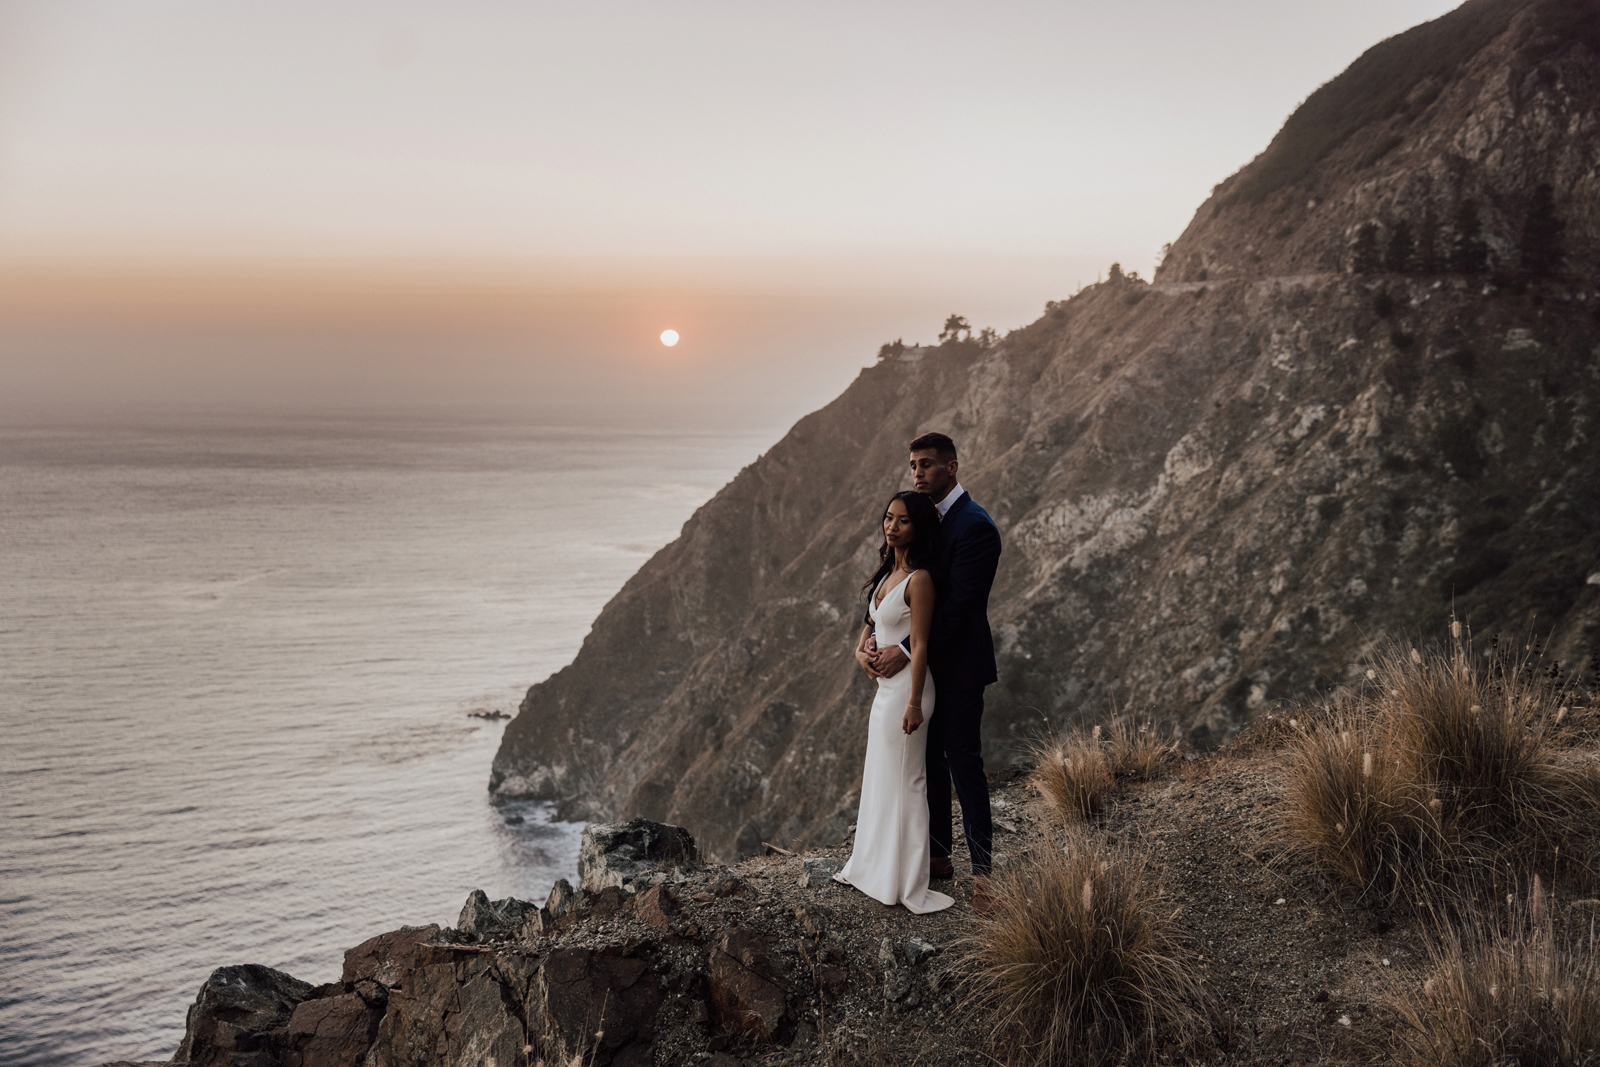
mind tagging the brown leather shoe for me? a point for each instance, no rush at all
(941, 867)
(982, 895)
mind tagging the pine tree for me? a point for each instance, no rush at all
(953, 327)
(1469, 253)
(1400, 256)
(1364, 253)
(1114, 275)
(1541, 234)
(1428, 243)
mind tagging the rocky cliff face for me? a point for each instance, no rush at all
(1216, 491)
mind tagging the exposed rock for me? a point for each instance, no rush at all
(902, 986)
(583, 993)
(563, 898)
(457, 1006)
(657, 907)
(631, 854)
(387, 958)
(483, 918)
(1213, 494)
(917, 951)
(335, 1031)
(745, 990)
(817, 871)
(241, 1018)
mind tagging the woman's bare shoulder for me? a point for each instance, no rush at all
(921, 583)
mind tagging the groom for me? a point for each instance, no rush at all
(961, 657)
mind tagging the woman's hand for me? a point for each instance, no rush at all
(912, 720)
(864, 658)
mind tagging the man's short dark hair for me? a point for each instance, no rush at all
(943, 447)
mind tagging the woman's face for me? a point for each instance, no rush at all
(897, 526)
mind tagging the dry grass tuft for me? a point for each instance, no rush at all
(1439, 764)
(1074, 775)
(1080, 962)
(1484, 740)
(1138, 749)
(1523, 994)
(1076, 772)
(1351, 803)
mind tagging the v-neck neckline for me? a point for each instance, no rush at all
(878, 603)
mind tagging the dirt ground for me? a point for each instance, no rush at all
(1298, 964)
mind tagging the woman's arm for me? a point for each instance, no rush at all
(863, 656)
(919, 597)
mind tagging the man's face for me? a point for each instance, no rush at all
(932, 478)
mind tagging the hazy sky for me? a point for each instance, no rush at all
(483, 197)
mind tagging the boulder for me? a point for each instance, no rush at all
(902, 987)
(746, 989)
(241, 1018)
(563, 899)
(817, 871)
(387, 958)
(596, 1006)
(633, 854)
(656, 907)
(483, 918)
(917, 951)
(335, 1031)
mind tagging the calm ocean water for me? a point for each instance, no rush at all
(237, 659)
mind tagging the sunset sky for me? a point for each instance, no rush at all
(372, 203)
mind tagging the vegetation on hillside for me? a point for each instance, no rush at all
(1401, 74)
(1428, 789)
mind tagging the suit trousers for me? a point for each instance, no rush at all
(955, 754)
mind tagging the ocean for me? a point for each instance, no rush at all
(239, 659)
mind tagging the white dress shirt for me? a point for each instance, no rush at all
(950, 499)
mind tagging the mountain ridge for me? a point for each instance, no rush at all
(1216, 491)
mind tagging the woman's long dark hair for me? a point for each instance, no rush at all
(924, 545)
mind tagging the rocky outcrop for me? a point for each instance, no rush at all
(704, 965)
(242, 1018)
(630, 855)
(1215, 492)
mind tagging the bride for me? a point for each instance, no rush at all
(890, 859)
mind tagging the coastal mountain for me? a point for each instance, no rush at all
(1358, 399)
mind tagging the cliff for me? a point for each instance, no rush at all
(657, 959)
(1359, 396)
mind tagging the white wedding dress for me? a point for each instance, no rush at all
(889, 862)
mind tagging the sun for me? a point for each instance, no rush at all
(669, 337)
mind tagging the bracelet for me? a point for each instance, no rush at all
(917, 706)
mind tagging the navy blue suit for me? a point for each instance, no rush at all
(961, 657)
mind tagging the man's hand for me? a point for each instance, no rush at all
(868, 664)
(890, 661)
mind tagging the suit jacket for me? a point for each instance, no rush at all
(960, 646)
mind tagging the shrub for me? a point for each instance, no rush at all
(1439, 766)
(1400, 255)
(1482, 742)
(1080, 962)
(1073, 774)
(1469, 252)
(1364, 258)
(1349, 802)
(1541, 234)
(1138, 750)
(1524, 995)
